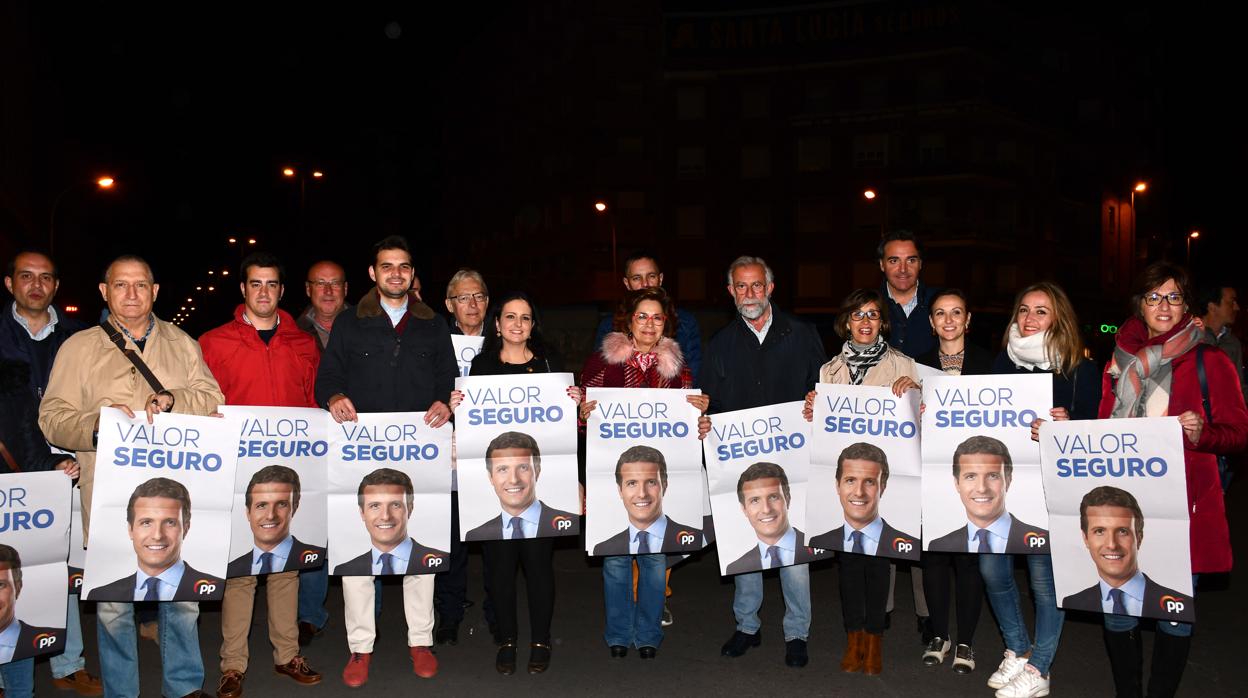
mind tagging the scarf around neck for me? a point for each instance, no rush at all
(1030, 352)
(1142, 365)
(860, 360)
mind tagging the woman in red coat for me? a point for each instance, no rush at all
(1154, 373)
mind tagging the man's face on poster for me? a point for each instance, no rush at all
(641, 490)
(272, 507)
(764, 506)
(514, 477)
(982, 483)
(9, 591)
(385, 512)
(1112, 542)
(157, 533)
(859, 490)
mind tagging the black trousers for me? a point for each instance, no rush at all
(451, 587)
(864, 591)
(938, 571)
(503, 559)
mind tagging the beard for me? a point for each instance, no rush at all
(754, 309)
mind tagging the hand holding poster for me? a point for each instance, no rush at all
(643, 472)
(757, 466)
(1105, 479)
(977, 449)
(143, 546)
(34, 521)
(514, 434)
(279, 490)
(466, 349)
(865, 445)
(389, 495)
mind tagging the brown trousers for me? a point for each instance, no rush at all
(236, 610)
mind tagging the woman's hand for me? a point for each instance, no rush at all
(575, 392)
(586, 408)
(69, 466)
(456, 398)
(808, 410)
(1193, 424)
(901, 385)
(702, 402)
(704, 427)
(1059, 414)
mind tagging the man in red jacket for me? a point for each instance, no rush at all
(261, 357)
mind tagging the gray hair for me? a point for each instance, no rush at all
(748, 261)
(463, 275)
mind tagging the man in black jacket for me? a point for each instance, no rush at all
(909, 302)
(763, 357)
(388, 356)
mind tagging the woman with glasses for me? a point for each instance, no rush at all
(1042, 338)
(1156, 372)
(639, 354)
(865, 359)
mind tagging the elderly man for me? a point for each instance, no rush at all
(327, 295)
(762, 357)
(101, 367)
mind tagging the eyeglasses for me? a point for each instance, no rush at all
(657, 318)
(864, 314)
(741, 286)
(326, 285)
(1172, 298)
(465, 298)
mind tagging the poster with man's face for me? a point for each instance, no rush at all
(279, 521)
(161, 508)
(34, 542)
(643, 472)
(1118, 516)
(389, 496)
(982, 491)
(865, 471)
(758, 466)
(516, 457)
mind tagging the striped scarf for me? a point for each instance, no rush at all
(861, 359)
(1143, 366)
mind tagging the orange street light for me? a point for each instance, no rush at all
(1195, 234)
(251, 241)
(868, 194)
(105, 182)
(1141, 187)
(288, 171)
(71, 308)
(600, 206)
(225, 272)
(212, 288)
(318, 174)
(232, 241)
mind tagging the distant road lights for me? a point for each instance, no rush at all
(288, 171)
(232, 240)
(212, 288)
(318, 174)
(868, 194)
(600, 206)
(71, 308)
(251, 241)
(105, 182)
(1141, 187)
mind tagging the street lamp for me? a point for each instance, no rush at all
(873, 197)
(104, 182)
(1194, 235)
(868, 194)
(292, 173)
(601, 207)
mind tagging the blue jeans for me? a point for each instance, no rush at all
(748, 598)
(313, 587)
(1003, 597)
(18, 678)
(66, 662)
(634, 622)
(181, 664)
(1120, 624)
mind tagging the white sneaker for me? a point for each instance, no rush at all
(1028, 684)
(1010, 667)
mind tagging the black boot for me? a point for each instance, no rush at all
(1126, 659)
(1169, 660)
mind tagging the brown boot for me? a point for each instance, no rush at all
(852, 660)
(873, 653)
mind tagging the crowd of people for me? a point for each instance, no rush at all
(1175, 355)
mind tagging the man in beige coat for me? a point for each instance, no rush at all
(91, 372)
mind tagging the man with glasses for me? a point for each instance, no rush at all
(327, 292)
(467, 300)
(763, 357)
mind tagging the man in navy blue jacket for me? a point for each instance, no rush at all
(909, 302)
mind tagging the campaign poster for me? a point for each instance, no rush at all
(161, 508)
(466, 349)
(1118, 516)
(280, 489)
(389, 495)
(982, 491)
(643, 472)
(516, 457)
(758, 467)
(866, 471)
(34, 542)
(77, 548)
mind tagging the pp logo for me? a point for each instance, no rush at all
(432, 560)
(1034, 540)
(310, 556)
(204, 587)
(561, 523)
(75, 581)
(44, 640)
(685, 538)
(903, 545)
(816, 551)
(1172, 604)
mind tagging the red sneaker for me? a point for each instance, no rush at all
(356, 673)
(424, 664)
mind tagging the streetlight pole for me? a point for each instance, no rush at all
(1194, 235)
(105, 182)
(290, 173)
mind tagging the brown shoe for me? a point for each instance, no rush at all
(83, 683)
(150, 631)
(230, 685)
(851, 661)
(873, 654)
(299, 670)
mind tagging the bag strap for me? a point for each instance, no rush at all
(134, 358)
(1204, 381)
(8, 458)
